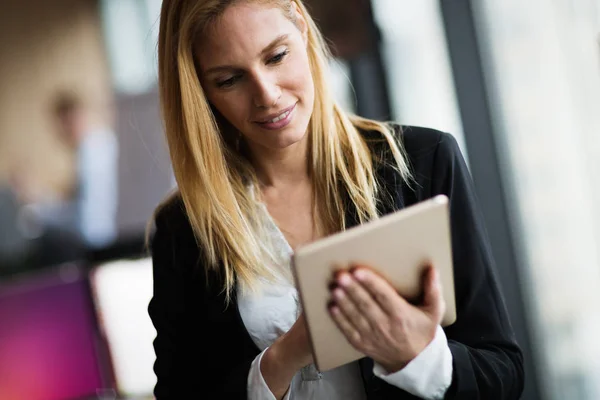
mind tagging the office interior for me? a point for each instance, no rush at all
(516, 83)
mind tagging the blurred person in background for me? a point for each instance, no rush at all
(266, 161)
(90, 208)
(64, 226)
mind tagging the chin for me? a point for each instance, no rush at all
(291, 138)
(279, 140)
(294, 137)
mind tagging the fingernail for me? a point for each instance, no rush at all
(360, 274)
(338, 294)
(344, 280)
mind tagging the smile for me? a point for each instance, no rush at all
(280, 117)
(279, 120)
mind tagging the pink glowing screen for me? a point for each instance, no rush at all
(48, 340)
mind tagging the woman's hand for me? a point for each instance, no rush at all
(295, 344)
(285, 357)
(378, 322)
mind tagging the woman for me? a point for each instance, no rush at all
(266, 162)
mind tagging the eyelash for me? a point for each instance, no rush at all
(272, 61)
(228, 82)
(279, 57)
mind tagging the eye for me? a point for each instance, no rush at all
(228, 82)
(278, 58)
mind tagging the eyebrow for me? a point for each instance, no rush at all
(274, 43)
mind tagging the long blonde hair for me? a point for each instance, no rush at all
(213, 176)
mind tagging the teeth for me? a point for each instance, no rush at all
(282, 116)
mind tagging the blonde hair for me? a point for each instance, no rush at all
(213, 176)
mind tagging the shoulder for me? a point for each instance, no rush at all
(171, 219)
(416, 141)
(170, 210)
(172, 237)
(433, 158)
(423, 147)
(420, 142)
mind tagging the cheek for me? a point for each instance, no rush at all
(232, 105)
(296, 76)
(304, 81)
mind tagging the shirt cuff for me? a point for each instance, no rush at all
(429, 375)
(257, 387)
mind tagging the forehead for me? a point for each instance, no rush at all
(243, 31)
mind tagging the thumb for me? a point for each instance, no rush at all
(433, 301)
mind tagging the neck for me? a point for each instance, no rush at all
(281, 167)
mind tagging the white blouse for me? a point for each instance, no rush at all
(273, 310)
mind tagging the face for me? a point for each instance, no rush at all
(255, 71)
(72, 124)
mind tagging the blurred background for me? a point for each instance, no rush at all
(83, 163)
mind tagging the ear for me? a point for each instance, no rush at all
(301, 22)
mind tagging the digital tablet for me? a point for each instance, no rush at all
(399, 246)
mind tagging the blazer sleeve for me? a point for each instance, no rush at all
(487, 362)
(196, 355)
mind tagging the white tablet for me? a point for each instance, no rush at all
(399, 246)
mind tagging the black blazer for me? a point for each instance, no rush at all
(203, 350)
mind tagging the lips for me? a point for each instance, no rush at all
(276, 117)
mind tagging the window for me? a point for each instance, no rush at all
(339, 79)
(419, 73)
(131, 36)
(543, 63)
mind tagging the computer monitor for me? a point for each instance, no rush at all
(121, 290)
(50, 346)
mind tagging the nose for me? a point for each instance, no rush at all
(266, 91)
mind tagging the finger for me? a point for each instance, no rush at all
(350, 311)
(433, 301)
(384, 294)
(351, 334)
(362, 299)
